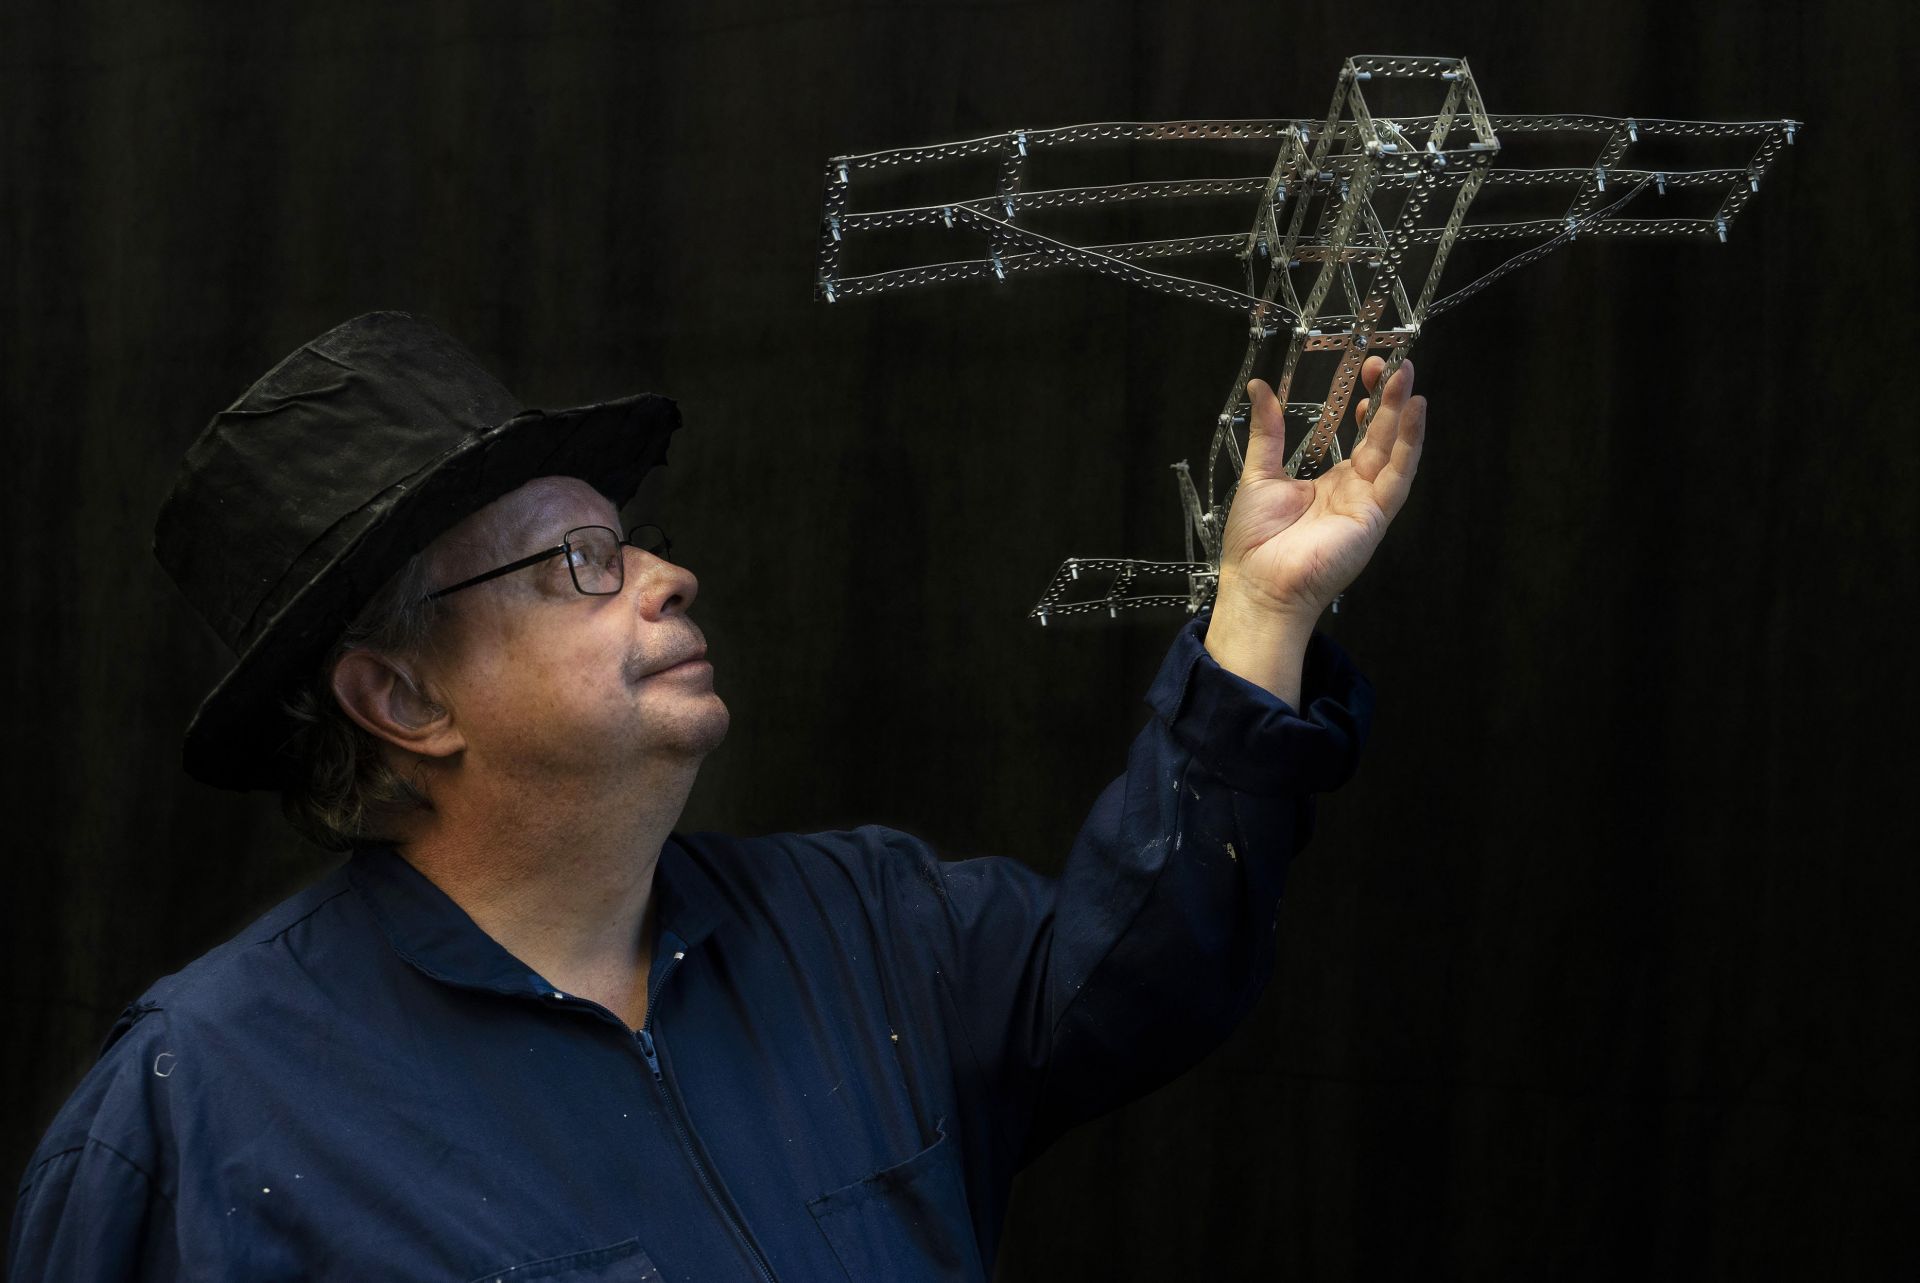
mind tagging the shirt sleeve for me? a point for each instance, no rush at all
(92, 1204)
(1076, 994)
(87, 1213)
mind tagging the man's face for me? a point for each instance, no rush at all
(545, 683)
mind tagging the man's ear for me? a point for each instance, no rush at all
(384, 700)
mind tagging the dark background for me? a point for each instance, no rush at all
(1602, 968)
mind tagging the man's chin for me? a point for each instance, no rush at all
(683, 729)
(703, 731)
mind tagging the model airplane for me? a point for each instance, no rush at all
(1349, 232)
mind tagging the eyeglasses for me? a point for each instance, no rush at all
(594, 559)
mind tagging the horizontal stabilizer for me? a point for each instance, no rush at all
(1083, 585)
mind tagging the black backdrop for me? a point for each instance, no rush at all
(1601, 969)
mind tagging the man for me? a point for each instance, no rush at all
(529, 1030)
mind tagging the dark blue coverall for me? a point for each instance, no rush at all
(851, 1046)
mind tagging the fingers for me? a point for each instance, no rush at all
(1373, 452)
(1395, 480)
(1370, 379)
(1387, 458)
(1370, 371)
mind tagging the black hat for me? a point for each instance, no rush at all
(306, 495)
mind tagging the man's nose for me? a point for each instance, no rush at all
(663, 588)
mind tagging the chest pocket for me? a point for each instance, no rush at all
(621, 1262)
(905, 1221)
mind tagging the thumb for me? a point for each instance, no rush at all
(1266, 433)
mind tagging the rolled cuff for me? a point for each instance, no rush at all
(1249, 738)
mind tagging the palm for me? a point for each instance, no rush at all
(1295, 545)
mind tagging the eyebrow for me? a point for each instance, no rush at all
(558, 528)
(516, 544)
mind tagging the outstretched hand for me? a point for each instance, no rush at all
(1291, 547)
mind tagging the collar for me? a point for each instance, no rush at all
(687, 904)
(435, 935)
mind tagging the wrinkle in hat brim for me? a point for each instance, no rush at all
(239, 736)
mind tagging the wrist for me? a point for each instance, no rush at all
(1262, 644)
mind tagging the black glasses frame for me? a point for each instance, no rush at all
(661, 548)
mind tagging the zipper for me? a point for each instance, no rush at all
(651, 1050)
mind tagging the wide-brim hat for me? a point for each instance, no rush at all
(308, 493)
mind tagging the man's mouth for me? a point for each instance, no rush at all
(638, 668)
(698, 657)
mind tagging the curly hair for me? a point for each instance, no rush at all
(343, 792)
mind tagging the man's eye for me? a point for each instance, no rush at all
(578, 558)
